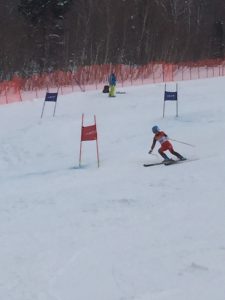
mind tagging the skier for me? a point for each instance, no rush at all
(163, 139)
(112, 84)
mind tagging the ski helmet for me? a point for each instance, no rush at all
(155, 129)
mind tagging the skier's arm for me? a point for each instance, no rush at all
(153, 145)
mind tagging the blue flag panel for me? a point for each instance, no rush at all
(52, 97)
(170, 96)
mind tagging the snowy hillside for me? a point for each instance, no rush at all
(121, 231)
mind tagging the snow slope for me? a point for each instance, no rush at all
(121, 231)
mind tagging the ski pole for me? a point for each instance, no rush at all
(182, 142)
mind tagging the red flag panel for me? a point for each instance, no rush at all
(89, 133)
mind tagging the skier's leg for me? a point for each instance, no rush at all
(178, 155)
(163, 154)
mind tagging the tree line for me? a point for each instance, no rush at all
(47, 35)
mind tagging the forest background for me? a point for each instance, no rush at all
(48, 35)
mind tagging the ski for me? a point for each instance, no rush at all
(153, 164)
(168, 163)
(158, 163)
(174, 162)
(120, 92)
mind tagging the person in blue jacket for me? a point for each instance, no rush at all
(112, 85)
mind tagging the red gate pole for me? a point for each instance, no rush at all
(81, 140)
(96, 142)
(88, 133)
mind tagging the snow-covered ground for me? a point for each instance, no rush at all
(121, 231)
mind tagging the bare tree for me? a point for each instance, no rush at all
(39, 36)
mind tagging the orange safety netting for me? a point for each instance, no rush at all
(89, 77)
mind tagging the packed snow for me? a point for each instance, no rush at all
(120, 231)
